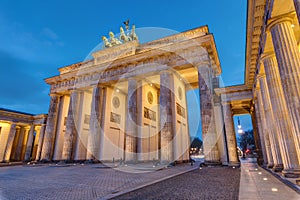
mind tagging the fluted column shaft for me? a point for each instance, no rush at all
(260, 133)
(167, 112)
(131, 121)
(40, 142)
(265, 129)
(288, 58)
(9, 144)
(230, 134)
(256, 135)
(95, 123)
(273, 134)
(209, 133)
(71, 130)
(50, 128)
(286, 132)
(29, 144)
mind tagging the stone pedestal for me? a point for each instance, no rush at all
(286, 133)
(288, 58)
(71, 131)
(272, 126)
(9, 144)
(209, 133)
(50, 128)
(230, 135)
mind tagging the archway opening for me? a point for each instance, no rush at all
(245, 138)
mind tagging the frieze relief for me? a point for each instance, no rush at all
(116, 72)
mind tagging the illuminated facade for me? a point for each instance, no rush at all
(128, 102)
(271, 93)
(21, 135)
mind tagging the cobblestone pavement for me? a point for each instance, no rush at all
(91, 181)
(205, 183)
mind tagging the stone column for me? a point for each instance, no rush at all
(297, 8)
(260, 132)
(256, 135)
(50, 128)
(40, 142)
(9, 144)
(166, 101)
(29, 144)
(95, 122)
(20, 144)
(24, 142)
(230, 135)
(265, 129)
(286, 131)
(14, 154)
(209, 133)
(272, 126)
(288, 58)
(140, 115)
(71, 131)
(131, 122)
(102, 112)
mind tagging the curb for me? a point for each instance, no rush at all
(283, 180)
(109, 196)
(10, 164)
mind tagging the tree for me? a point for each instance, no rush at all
(246, 140)
(196, 143)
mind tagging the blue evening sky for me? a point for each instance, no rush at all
(37, 37)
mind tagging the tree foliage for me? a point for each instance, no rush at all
(196, 143)
(246, 140)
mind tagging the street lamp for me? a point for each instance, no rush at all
(240, 130)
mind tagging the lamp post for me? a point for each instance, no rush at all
(241, 132)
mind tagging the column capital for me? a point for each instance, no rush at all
(286, 18)
(267, 55)
(224, 103)
(202, 64)
(260, 76)
(165, 72)
(54, 95)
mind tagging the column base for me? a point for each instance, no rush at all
(234, 164)
(225, 163)
(45, 161)
(278, 168)
(291, 173)
(212, 163)
(270, 165)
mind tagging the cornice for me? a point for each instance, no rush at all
(255, 21)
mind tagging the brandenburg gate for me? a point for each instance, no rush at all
(128, 102)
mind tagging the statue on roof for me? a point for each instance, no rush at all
(123, 36)
(133, 35)
(114, 41)
(107, 44)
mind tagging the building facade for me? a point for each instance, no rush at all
(128, 102)
(271, 93)
(21, 135)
